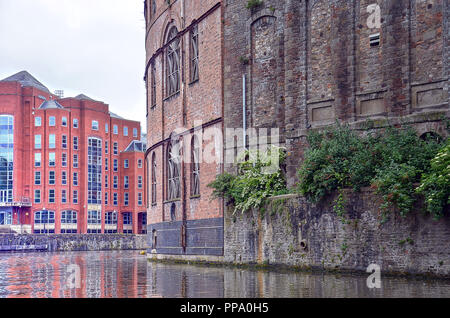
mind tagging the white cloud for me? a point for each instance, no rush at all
(94, 47)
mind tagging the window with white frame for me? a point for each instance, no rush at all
(139, 198)
(115, 182)
(52, 141)
(37, 159)
(51, 196)
(37, 142)
(64, 159)
(37, 178)
(75, 179)
(75, 161)
(63, 177)
(51, 159)
(37, 196)
(51, 177)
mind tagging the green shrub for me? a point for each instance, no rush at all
(251, 4)
(391, 162)
(253, 184)
(435, 185)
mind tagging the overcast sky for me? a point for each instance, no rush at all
(94, 47)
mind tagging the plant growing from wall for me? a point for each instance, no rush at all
(244, 60)
(252, 4)
(390, 162)
(435, 185)
(255, 181)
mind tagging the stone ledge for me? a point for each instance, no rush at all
(185, 258)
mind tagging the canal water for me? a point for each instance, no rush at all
(127, 274)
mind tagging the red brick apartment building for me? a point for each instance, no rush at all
(184, 109)
(68, 165)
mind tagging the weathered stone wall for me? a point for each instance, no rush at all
(296, 233)
(60, 243)
(310, 63)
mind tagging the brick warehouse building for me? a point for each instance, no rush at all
(70, 165)
(317, 61)
(305, 64)
(184, 85)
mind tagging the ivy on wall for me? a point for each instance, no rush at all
(391, 162)
(260, 176)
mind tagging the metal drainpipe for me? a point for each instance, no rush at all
(183, 171)
(244, 111)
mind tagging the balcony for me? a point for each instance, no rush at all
(22, 202)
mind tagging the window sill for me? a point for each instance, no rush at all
(173, 96)
(194, 82)
(173, 200)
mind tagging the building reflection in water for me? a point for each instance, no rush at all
(126, 274)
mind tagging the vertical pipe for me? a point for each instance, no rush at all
(244, 111)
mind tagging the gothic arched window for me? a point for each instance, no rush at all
(172, 62)
(194, 53)
(153, 85)
(195, 166)
(173, 171)
(153, 8)
(153, 176)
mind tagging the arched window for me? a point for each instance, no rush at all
(154, 239)
(69, 217)
(194, 53)
(69, 222)
(150, 7)
(172, 62)
(153, 8)
(44, 222)
(173, 171)
(431, 136)
(153, 85)
(153, 176)
(173, 212)
(195, 166)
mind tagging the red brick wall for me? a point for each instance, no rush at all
(197, 104)
(326, 70)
